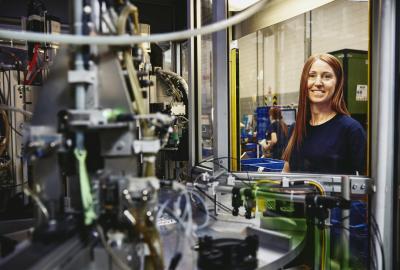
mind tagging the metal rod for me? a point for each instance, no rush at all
(345, 234)
(79, 65)
(278, 196)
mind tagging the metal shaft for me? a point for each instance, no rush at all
(345, 233)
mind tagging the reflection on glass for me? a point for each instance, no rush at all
(270, 65)
(206, 84)
(185, 60)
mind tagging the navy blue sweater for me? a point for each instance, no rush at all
(336, 147)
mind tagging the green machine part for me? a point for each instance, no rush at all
(356, 92)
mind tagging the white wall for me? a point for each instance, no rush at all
(290, 55)
(248, 65)
(340, 25)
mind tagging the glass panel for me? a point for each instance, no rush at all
(270, 65)
(350, 46)
(205, 78)
(268, 77)
(185, 60)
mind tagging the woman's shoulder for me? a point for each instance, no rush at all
(348, 122)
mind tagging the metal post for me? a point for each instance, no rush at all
(193, 119)
(345, 233)
(79, 65)
(383, 38)
(220, 86)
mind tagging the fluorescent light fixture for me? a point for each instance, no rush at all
(239, 5)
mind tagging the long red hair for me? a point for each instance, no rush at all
(304, 113)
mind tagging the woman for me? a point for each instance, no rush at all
(325, 139)
(278, 132)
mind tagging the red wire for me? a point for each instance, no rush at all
(32, 64)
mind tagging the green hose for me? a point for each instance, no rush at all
(86, 194)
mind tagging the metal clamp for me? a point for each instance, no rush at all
(146, 146)
(82, 76)
(86, 118)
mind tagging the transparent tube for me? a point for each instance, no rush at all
(127, 39)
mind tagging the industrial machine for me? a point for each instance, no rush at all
(88, 153)
(91, 147)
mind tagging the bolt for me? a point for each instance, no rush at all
(363, 186)
(354, 186)
(120, 145)
(87, 9)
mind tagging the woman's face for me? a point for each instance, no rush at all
(321, 83)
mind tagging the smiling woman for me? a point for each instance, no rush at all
(272, 49)
(325, 139)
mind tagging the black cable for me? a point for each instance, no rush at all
(9, 84)
(12, 186)
(374, 255)
(224, 207)
(2, 97)
(13, 128)
(218, 158)
(202, 209)
(214, 159)
(221, 205)
(342, 219)
(175, 261)
(16, 131)
(377, 235)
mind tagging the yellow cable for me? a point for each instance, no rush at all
(267, 181)
(318, 186)
(129, 9)
(135, 86)
(138, 104)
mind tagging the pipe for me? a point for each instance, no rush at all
(127, 40)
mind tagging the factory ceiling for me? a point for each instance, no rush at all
(162, 15)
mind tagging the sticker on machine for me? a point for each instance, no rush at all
(362, 92)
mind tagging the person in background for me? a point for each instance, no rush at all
(277, 134)
(325, 138)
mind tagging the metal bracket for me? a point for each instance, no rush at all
(146, 146)
(86, 118)
(82, 76)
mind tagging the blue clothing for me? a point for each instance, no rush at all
(280, 146)
(337, 146)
